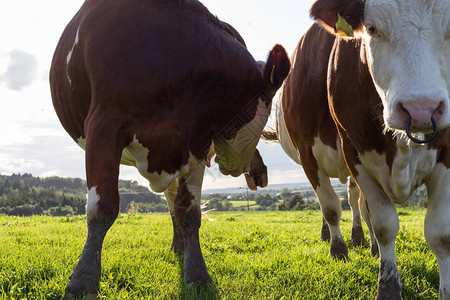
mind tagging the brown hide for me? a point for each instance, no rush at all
(167, 72)
(305, 104)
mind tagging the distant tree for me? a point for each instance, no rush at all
(296, 202)
(215, 203)
(286, 194)
(265, 200)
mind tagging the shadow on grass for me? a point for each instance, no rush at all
(196, 290)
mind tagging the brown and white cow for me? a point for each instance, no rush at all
(151, 84)
(392, 76)
(307, 133)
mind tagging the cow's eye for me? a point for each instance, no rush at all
(371, 30)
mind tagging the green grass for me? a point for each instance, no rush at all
(244, 203)
(250, 255)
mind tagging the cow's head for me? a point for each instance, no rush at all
(234, 152)
(408, 51)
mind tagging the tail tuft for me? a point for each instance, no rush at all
(269, 134)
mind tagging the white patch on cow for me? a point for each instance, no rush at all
(234, 156)
(329, 202)
(194, 180)
(171, 193)
(409, 57)
(82, 142)
(331, 160)
(410, 167)
(69, 56)
(91, 205)
(135, 154)
(194, 183)
(283, 135)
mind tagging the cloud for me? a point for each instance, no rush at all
(21, 70)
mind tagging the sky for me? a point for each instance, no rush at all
(31, 137)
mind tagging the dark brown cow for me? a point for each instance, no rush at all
(387, 90)
(151, 84)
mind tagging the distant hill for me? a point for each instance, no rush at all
(25, 194)
(274, 188)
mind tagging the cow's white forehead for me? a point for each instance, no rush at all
(412, 24)
(415, 13)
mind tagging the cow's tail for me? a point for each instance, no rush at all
(269, 134)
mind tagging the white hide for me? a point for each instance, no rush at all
(283, 135)
(331, 160)
(409, 56)
(234, 155)
(135, 154)
(82, 142)
(91, 205)
(410, 168)
(69, 56)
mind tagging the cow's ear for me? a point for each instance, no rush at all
(336, 14)
(276, 68)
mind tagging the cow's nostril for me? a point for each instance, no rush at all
(439, 111)
(403, 113)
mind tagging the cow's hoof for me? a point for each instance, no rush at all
(389, 283)
(358, 237)
(193, 279)
(82, 289)
(70, 296)
(338, 250)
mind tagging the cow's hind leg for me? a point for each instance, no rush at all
(331, 210)
(102, 168)
(178, 239)
(353, 200)
(188, 217)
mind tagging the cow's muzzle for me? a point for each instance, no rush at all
(427, 140)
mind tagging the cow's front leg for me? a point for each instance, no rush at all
(102, 170)
(188, 217)
(384, 219)
(437, 225)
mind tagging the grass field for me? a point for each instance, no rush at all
(250, 255)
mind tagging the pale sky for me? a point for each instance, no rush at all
(31, 137)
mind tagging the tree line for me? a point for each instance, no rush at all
(291, 200)
(25, 195)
